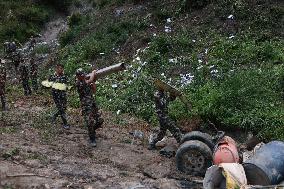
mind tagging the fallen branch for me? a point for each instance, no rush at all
(27, 175)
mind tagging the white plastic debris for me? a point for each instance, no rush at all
(200, 61)
(102, 53)
(114, 85)
(173, 60)
(168, 29)
(214, 71)
(231, 16)
(118, 112)
(169, 20)
(206, 51)
(199, 67)
(154, 34)
(193, 40)
(231, 37)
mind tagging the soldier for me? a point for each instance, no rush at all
(3, 75)
(24, 76)
(90, 111)
(33, 73)
(59, 96)
(10, 49)
(161, 102)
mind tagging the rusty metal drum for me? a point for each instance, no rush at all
(266, 166)
(226, 151)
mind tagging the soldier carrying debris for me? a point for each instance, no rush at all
(59, 95)
(24, 75)
(33, 74)
(161, 102)
(3, 75)
(90, 111)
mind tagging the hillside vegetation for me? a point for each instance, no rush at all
(226, 56)
(21, 19)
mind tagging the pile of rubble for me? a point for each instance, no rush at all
(225, 165)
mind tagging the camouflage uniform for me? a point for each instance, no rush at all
(89, 108)
(24, 74)
(59, 98)
(161, 102)
(33, 73)
(3, 75)
(10, 49)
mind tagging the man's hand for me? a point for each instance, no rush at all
(92, 77)
(94, 87)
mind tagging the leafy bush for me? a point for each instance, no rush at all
(195, 4)
(61, 5)
(21, 19)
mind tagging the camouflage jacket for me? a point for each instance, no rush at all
(85, 93)
(33, 69)
(161, 103)
(24, 71)
(3, 75)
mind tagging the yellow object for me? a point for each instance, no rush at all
(47, 83)
(59, 86)
(234, 174)
(230, 182)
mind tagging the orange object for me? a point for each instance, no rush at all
(226, 151)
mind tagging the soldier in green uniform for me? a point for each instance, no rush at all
(161, 104)
(59, 96)
(24, 75)
(33, 74)
(3, 75)
(90, 110)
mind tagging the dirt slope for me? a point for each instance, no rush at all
(36, 154)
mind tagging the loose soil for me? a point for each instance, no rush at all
(37, 154)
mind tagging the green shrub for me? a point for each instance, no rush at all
(21, 19)
(74, 19)
(61, 5)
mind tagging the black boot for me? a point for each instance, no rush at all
(152, 146)
(93, 142)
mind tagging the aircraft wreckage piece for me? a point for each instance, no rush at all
(106, 71)
(172, 90)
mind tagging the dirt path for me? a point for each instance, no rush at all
(53, 29)
(36, 154)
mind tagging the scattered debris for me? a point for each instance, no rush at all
(137, 134)
(265, 159)
(225, 176)
(169, 151)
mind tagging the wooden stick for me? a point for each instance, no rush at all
(27, 175)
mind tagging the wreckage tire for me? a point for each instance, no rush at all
(193, 158)
(197, 135)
